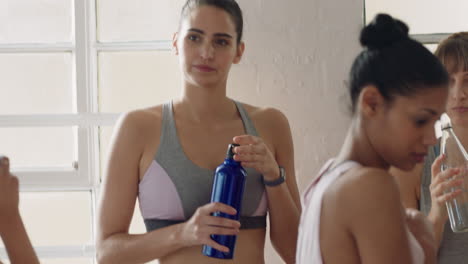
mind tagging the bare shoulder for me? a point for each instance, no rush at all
(134, 129)
(267, 118)
(141, 118)
(367, 207)
(139, 122)
(362, 189)
(373, 180)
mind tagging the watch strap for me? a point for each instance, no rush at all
(280, 180)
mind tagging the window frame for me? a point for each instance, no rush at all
(83, 174)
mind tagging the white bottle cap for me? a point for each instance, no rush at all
(445, 121)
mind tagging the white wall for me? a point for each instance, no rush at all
(298, 54)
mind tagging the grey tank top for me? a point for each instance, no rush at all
(192, 183)
(454, 246)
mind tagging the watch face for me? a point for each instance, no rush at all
(282, 173)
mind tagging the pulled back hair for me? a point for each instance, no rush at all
(393, 62)
(453, 52)
(229, 6)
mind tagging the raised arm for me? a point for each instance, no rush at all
(12, 230)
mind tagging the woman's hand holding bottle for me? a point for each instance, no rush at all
(197, 230)
(254, 153)
(443, 188)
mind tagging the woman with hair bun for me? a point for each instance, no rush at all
(352, 212)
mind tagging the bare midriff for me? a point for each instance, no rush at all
(249, 249)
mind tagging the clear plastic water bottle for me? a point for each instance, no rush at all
(456, 157)
(228, 188)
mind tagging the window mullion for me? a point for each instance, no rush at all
(93, 86)
(85, 98)
(82, 88)
(163, 45)
(90, 24)
(36, 47)
(81, 120)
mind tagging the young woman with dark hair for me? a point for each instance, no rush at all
(352, 211)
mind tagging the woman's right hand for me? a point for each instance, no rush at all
(441, 185)
(197, 230)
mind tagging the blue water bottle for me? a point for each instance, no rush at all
(228, 188)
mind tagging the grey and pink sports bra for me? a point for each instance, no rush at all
(174, 187)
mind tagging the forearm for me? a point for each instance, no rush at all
(17, 242)
(284, 221)
(141, 248)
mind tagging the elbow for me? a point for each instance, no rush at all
(103, 258)
(103, 255)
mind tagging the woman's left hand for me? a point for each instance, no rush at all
(254, 153)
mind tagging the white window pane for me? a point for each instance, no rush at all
(143, 20)
(36, 21)
(39, 146)
(431, 47)
(36, 83)
(424, 16)
(57, 218)
(129, 80)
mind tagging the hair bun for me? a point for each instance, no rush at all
(383, 31)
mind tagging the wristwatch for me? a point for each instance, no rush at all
(278, 181)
